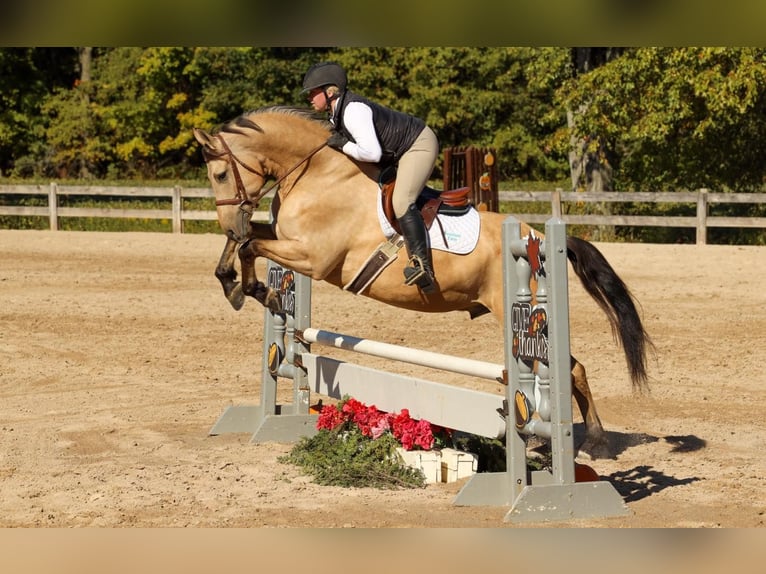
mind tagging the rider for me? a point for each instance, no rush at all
(370, 132)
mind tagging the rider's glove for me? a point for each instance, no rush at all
(337, 140)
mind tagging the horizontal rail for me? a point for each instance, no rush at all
(632, 196)
(98, 190)
(701, 220)
(175, 214)
(463, 366)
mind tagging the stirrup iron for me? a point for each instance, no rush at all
(415, 273)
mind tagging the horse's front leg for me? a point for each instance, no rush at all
(227, 275)
(251, 286)
(248, 252)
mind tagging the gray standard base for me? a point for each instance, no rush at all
(542, 502)
(282, 426)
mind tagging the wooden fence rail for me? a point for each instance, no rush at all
(701, 221)
(557, 199)
(176, 214)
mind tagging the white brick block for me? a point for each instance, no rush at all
(457, 464)
(428, 461)
(446, 465)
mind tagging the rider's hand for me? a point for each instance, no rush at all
(337, 140)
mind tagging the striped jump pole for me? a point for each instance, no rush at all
(459, 365)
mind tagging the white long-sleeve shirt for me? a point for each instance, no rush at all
(357, 119)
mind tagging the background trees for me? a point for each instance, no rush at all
(648, 118)
(676, 118)
(27, 77)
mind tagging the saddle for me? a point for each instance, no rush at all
(430, 202)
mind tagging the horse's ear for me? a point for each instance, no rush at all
(204, 138)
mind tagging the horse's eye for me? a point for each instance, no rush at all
(220, 177)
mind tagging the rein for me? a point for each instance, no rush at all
(241, 198)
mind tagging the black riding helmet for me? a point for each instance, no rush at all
(324, 74)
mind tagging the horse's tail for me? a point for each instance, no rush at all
(615, 299)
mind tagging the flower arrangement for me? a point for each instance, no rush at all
(372, 423)
(356, 446)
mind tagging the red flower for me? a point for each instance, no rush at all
(424, 437)
(329, 418)
(373, 423)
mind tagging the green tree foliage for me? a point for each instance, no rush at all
(469, 96)
(134, 118)
(113, 124)
(677, 117)
(27, 77)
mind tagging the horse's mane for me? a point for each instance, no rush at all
(248, 119)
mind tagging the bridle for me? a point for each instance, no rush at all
(241, 199)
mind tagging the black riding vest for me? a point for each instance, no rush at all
(396, 131)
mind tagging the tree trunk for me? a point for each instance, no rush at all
(86, 58)
(589, 170)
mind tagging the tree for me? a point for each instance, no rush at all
(589, 164)
(27, 77)
(639, 118)
(128, 112)
(134, 118)
(678, 117)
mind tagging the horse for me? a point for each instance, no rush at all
(325, 225)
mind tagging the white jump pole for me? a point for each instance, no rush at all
(463, 366)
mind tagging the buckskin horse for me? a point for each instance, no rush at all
(326, 225)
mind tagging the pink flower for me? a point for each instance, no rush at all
(380, 427)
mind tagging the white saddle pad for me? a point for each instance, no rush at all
(455, 234)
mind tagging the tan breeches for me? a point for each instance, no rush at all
(414, 171)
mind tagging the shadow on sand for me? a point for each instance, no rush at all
(619, 442)
(644, 480)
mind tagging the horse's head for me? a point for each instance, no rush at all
(236, 190)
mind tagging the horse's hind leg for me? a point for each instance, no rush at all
(596, 443)
(227, 275)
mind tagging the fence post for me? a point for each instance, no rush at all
(702, 216)
(53, 205)
(177, 204)
(556, 203)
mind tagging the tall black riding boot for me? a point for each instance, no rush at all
(419, 270)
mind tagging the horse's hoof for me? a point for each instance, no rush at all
(272, 301)
(594, 449)
(237, 298)
(269, 298)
